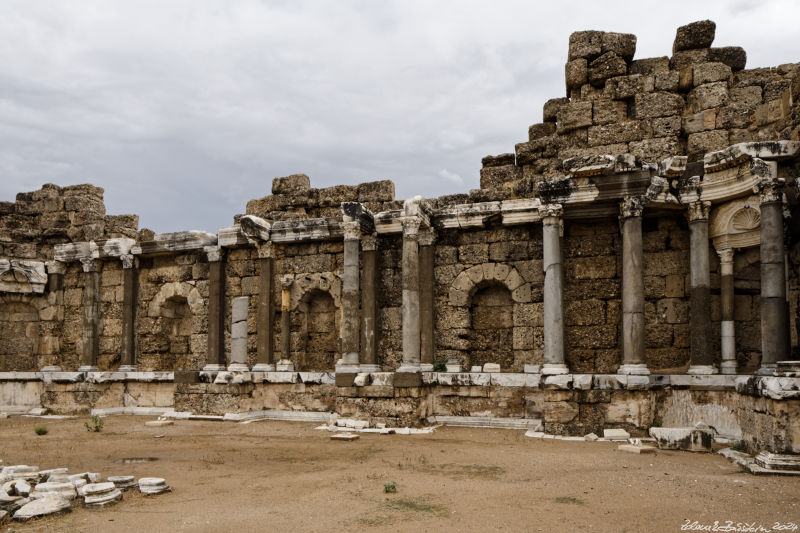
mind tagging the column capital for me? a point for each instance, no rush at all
(128, 261)
(631, 206)
(554, 212)
(214, 253)
(768, 185)
(699, 210)
(352, 230)
(410, 227)
(286, 281)
(89, 264)
(369, 242)
(725, 255)
(55, 267)
(265, 250)
(427, 236)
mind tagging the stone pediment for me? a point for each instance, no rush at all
(22, 276)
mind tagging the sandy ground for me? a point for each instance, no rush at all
(284, 476)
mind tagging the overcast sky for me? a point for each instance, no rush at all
(184, 110)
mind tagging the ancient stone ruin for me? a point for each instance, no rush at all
(635, 260)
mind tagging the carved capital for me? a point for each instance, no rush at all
(352, 230)
(410, 227)
(89, 264)
(427, 237)
(699, 211)
(286, 281)
(128, 261)
(265, 250)
(369, 242)
(214, 253)
(554, 211)
(725, 255)
(56, 267)
(631, 206)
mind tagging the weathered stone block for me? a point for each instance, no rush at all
(622, 44)
(376, 191)
(667, 81)
(685, 59)
(574, 115)
(606, 111)
(625, 87)
(707, 141)
(702, 121)
(733, 56)
(551, 108)
(294, 185)
(710, 72)
(695, 35)
(576, 73)
(493, 177)
(655, 149)
(649, 66)
(608, 65)
(666, 126)
(621, 132)
(585, 44)
(707, 96)
(659, 104)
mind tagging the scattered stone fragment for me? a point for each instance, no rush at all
(43, 507)
(616, 434)
(101, 494)
(776, 461)
(347, 436)
(65, 489)
(631, 448)
(158, 423)
(591, 437)
(123, 483)
(47, 474)
(153, 485)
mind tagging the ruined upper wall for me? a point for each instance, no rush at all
(30, 226)
(696, 101)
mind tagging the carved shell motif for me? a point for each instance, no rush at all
(746, 219)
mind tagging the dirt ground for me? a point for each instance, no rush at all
(284, 476)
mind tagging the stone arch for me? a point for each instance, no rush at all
(173, 336)
(469, 281)
(20, 338)
(736, 224)
(491, 333)
(316, 319)
(324, 282)
(22, 276)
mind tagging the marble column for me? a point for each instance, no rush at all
(239, 309)
(130, 289)
(773, 271)
(265, 359)
(427, 238)
(91, 316)
(702, 356)
(351, 299)
(553, 291)
(633, 328)
(410, 305)
(728, 337)
(285, 364)
(215, 358)
(55, 286)
(369, 305)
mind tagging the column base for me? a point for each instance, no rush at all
(369, 368)
(702, 370)
(284, 365)
(51, 368)
(727, 367)
(87, 368)
(264, 367)
(552, 369)
(767, 370)
(409, 368)
(213, 368)
(638, 369)
(238, 367)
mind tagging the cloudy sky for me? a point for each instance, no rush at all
(184, 110)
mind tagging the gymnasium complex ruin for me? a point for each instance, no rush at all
(632, 262)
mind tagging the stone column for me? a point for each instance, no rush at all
(773, 270)
(91, 316)
(633, 361)
(239, 308)
(369, 305)
(702, 356)
(265, 361)
(215, 360)
(285, 364)
(411, 318)
(130, 291)
(426, 305)
(728, 330)
(351, 299)
(553, 291)
(55, 285)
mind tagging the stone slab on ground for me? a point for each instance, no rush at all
(123, 483)
(616, 434)
(103, 499)
(43, 507)
(153, 485)
(776, 461)
(345, 436)
(158, 423)
(630, 448)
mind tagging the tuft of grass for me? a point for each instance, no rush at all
(95, 426)
(440, 365)
(416, 506)
(739, 447)
(40, 430)
(390, 487)
(657, 423)
(570, 500)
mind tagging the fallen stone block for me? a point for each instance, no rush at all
(123, 483)
(65, 489)
(688, 438)
(776, 461)
(101, 494)
(630, 448)
(616, 434)
(153, 485)
(591, 437)
(43, 507)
